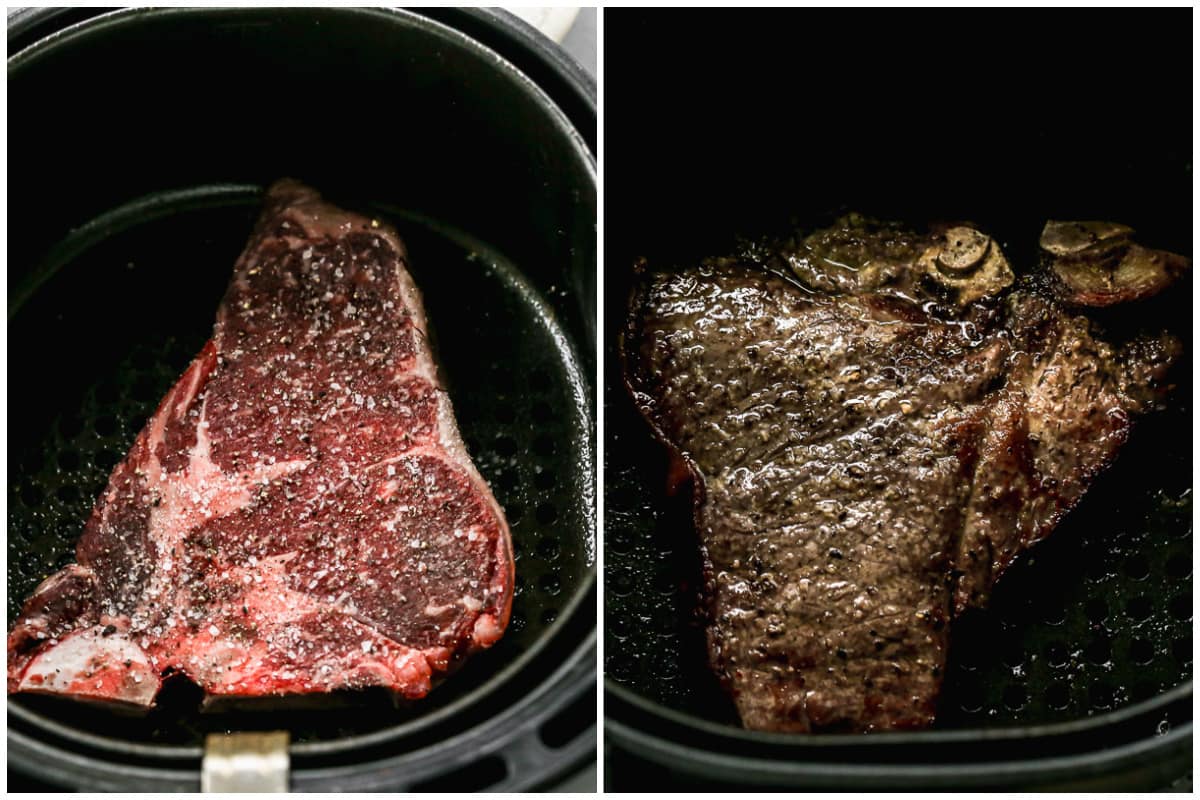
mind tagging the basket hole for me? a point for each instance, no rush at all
(1179, 566)
(507, 481)
(68, 460)
(619, 540)
(67, 493)
(31, 495)
(549, 615)
(516, 623)
(971, 698)
(1137, 567)
(1056, 654)
(545, 480)
(1099, 651)
(471, 778)
(1140, 609)
(1141, 651)
(567, 725)
(513, 512)
(542, 412)
(106, 425)
(544, 446)
(1014, 654)
(107, 459)
(1181, 607)
(550, 584)
(547, 513)
(549, 549)
(620, 585)
(1015, 697)
(505, 446)
(624, 670)
(1058, 696)
(1101, 695)
(1096, 610)
(1054, 612)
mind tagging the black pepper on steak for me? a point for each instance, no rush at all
(875, 421)
(300, 514)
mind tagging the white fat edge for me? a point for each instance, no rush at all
(76, 655)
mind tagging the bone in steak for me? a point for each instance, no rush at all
(870, 441)
(300, 514)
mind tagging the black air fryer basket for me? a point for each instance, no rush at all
(140, 142)
(1079, 674)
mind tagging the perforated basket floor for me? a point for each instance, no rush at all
(99, 343)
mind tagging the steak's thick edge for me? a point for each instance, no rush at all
(300, 514)
(864, 469)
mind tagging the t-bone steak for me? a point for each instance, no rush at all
(875, 422)
(300, 514)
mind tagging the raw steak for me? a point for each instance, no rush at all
(300, 514)
(870, 440)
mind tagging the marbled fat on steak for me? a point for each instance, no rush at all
(300, 514)
(871, 440)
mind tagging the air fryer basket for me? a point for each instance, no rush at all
(1086, 647)
(116, 291)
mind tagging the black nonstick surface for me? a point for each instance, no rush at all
(794, 119)
(115, 314)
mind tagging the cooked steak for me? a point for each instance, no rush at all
(300, 514)
(874, 427)
(1099, 264)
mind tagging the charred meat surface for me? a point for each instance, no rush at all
(875, 423)
(299, 515)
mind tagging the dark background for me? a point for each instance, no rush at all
(718, 121)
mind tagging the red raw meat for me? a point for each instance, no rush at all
(300, 514)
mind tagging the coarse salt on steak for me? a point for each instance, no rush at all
(300, 514)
